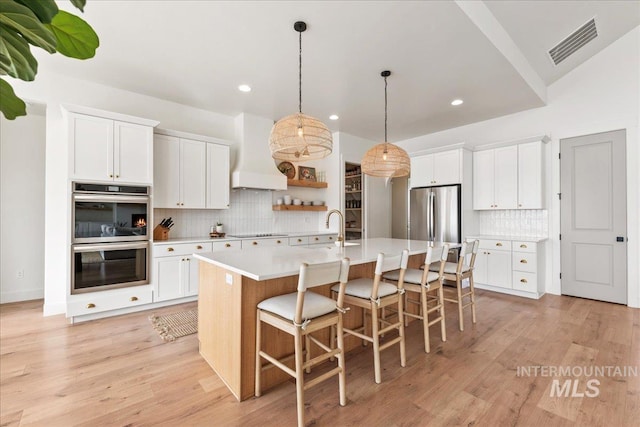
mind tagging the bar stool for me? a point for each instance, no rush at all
(457, 272)
(373, 294)
(429, 285)
(300, 314)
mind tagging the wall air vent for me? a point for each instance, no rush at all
(575, 41)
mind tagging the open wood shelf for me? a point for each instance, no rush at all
(303, 183)
(298, 208)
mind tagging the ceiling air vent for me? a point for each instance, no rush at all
(575, 41)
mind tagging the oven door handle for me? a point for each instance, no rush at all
(110, 246)
(110, 198)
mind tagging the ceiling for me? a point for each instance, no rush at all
(491, 54)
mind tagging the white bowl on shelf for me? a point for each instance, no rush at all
(306, 203)
(318, 203)
(297, 202)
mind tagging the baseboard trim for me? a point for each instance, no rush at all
(21, 295)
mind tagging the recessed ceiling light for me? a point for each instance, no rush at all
(244, 88)
(333, 117)
(457, 102)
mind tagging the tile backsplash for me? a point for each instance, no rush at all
(250, 211)
(521, 222)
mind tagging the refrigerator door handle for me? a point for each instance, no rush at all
(432, 231)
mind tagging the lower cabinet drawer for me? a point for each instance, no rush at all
(524, 261)
(295, 241)
(232, 244)
(96, 302)
(323, 238)
(524, 281)
(256, 243)
(504, 245)
(181, 249)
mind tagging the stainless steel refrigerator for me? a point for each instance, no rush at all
(435, 213)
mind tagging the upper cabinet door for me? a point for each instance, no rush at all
(530, 175)
(133, 153)
(422, 171)
(166, 172)
(506, 177)
(483, 179)
(217, 176)
(193, 173)
(91, 147)
(446, 167)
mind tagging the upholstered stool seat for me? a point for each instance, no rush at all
(451, 268)
(361, 288)
(412, 275)
(315, 305)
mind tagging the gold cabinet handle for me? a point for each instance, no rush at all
(117, 176)
(299, 240)
(523, 261)
(199, 247)
(91, 305)
(498, 244)
(178, 204)
(523, 246)
(134, 298)
(169, 249)
(523, 280)
(181, 204)
(317, 239)
(330, 237)
(227, 245)
(278, 241)
(254, 243)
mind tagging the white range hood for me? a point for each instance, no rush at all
(255, 168)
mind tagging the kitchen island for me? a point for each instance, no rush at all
(233, 283)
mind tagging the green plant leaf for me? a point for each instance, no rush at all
(75, 38)
(21, 19)
(79, 4)
(15, 56)
(10, 104)
(45, 10)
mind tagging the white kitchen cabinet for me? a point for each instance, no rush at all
(493, 263)
(530, 175)
(175, 270)
(217, 176)
(495, 178)
(440, 168)
(103, 149)
(513, 267)
(180, 175)
(190, 172)
(114, 299)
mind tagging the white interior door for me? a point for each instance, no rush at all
(593, 246)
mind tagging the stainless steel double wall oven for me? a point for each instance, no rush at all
(110, 241)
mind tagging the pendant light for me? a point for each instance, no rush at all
(386, 160)
(300, 137)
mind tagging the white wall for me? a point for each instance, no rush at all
(22, 143)
(54, 90)
(600, 95)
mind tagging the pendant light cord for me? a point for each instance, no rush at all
(300, 74)
(385, 110)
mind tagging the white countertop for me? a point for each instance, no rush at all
(517, 238)
(264, 263)
(225, 239)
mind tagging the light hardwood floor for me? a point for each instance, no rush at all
(118, 372)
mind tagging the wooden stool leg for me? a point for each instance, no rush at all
(307, 349)
(403, 350)
(473, 298)
(459, 287)
(299, 377)
(342, 376)
(376, 342)
(258, 364)
(425, 318)
(364, 326)
(443, 329)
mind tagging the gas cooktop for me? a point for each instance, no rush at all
(245, 236)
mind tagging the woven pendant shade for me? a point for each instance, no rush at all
(300, 137)
(396, 165)
(386, 160)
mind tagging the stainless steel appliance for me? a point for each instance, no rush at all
(109, 213)
(435, 214)
(110, 240)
